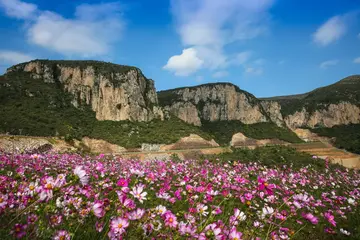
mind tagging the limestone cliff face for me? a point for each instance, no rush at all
(114, 92)
(273, 109)
(213, 102)
(333, 114)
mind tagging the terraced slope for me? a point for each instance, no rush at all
(325, 150)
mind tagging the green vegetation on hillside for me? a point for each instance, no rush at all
(32, 107)
(347, 90)
(224, 130)
(346, 136)
(269, 156)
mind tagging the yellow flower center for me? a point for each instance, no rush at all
(49, 186)
(62, 237)
(171, 220)
(31, 187)
(120, 225)
(248, 202)
(266, 184)
(236, 238)
(1, 200)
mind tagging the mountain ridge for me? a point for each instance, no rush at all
(88, 98)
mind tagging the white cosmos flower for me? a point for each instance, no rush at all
(81, 173)
(267, 211)
(343, 231)
(138, 193)
(351, 201)
(201, 208)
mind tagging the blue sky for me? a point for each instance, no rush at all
(266, 47)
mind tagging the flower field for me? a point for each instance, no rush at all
(63, 196)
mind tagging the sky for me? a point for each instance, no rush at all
(266, 47)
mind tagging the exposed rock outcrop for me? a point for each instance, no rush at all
(216, 102)
(273, 109)
(240, 140)
(191, 142)
(114, 92)
(333, 114)
(101, 146)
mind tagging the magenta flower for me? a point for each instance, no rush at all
(32, 218)
(61, 235)
(98, 209)
(311, 218)
(263, 185)
(122, 182)
(19, 230)
(118, 225)
(235, 235)
(170, 220)
(137, 214)
(330, 218)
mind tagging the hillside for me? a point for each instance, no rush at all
(31, 106)
(345, 90)
(117, 103)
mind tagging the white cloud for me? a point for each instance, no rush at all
(185, 64)
(357, 60)
(241, 58)
(210, 25)
(220, 74)
(91, 32)
(18, 9)
(331, 31)
(254, 71)
(327, 64)
(12, 57)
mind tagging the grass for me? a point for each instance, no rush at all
(346, 136)
(270, 156)
(224, 130)
(347, 90)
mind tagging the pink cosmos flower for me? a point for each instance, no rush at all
(122, 182)
(55, 220)
(61, 235)
(137, 214)
(32, 218)
(99, 226)
(213, 229)
(235, 235)
(311, 218)
(263, 185)
(19, 230)
(99, 167)
(98, 209)
(118, 225)
(330, 218)
(170, 220)
(3, 200)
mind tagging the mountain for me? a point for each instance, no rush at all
(336, 104)
(114, 92)
(218, 102)
(118, 104)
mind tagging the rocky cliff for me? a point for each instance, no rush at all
(336, 104)
(114, 92)
(342, 113)
(218, 102)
